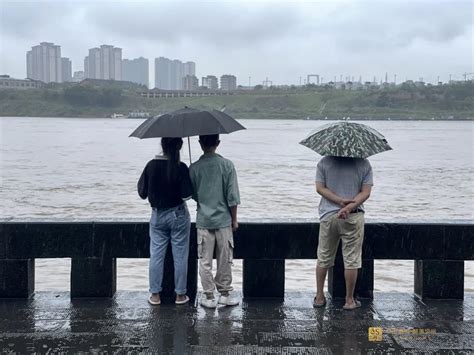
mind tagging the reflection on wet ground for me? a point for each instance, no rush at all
(391, 323)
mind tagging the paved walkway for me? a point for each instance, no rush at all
(52, 323)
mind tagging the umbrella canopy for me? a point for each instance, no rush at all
(346, 139)
(187, 122)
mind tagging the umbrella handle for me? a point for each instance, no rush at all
(189, 148)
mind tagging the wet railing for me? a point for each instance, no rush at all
(439, 251)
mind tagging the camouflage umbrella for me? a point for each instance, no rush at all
(346, 139)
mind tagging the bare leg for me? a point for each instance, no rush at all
(320, 279)
(351, 277)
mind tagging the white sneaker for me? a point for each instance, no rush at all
(208, 303)
(228, 300)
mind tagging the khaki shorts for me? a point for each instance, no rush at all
(351, 231)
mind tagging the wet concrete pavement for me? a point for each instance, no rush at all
(51, 322)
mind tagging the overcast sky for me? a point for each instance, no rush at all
(281, 40)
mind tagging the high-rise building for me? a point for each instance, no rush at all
(43, 62)
(189, 68)
(29, 64)
(228, 82)
(210, 82)
(86, 67)
(135, 70)
(66, 70)
(104, 63)
(117, 65)
(190, 82)
(177, 75)
(78, 76)
(162, 73)
(169, 74)
(92, 64)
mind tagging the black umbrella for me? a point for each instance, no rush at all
(187, 122)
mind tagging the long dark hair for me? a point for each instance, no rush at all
(171, 147)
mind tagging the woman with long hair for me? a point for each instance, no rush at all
(165, 182)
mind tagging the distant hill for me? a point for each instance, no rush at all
(98, 98)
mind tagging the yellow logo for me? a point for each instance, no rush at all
(375, 334)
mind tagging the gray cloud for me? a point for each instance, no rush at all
(210, 23)
(21, 19)
(382, 25)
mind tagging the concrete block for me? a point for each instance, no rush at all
(17, 278)
(439, 279)
(93, 277)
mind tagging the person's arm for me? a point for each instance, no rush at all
(142, 185)
(233, 214)
(233, 196)
(186, 186)
(331, 196)
(361, 197)
(192, 177)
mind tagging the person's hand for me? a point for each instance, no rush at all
(235, 226)
(344, 202)
(344, 212)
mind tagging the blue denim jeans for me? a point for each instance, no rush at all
(170, 224)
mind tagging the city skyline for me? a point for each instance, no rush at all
(44, 63)
(281, 41)
(107, 63)
(188, 68)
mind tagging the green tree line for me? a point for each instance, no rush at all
(90, 96)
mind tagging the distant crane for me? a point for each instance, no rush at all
(312, 76)
(266, 82)
(323, 106)
(466, 76)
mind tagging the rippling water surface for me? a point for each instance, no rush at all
(83, 169)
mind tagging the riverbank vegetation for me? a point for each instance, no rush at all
(406, 101)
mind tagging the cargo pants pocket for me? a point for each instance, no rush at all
(199, 245)
(231, 248)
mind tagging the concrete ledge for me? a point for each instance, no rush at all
(263, 246)
(266, 240)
